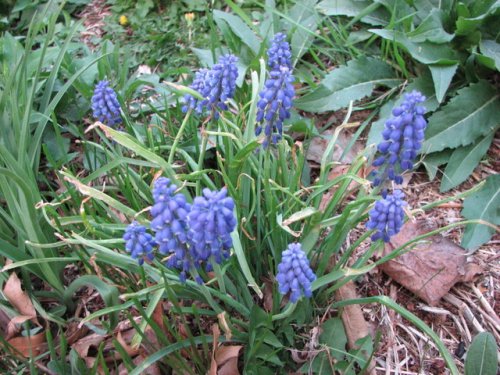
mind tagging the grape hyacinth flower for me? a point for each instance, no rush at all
(105, 105)
(403, 136)
(198, 84)
(294, 273)
(387, 216)
(279, 53)
(169, 212)
(274, 106)
(216, 85)
(211, 221)
(138, 242)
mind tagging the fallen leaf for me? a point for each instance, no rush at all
(432, 267)
(224, 325)
(18, 298)
(130, 351)
(227, 359)
(12, 327)
(75, 332)
(355, 324)
(151, 370)
(213, 363)
(83, 345)
(30, 345)
(4, 321)
(319, 144)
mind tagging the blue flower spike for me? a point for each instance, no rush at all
(211, 222)
(387, 216)
(216, 85)
(138, 242)
(279, 53)
(105, 104)
(169, 212)
(294, 273)
(276, 100)
(403, 136)
(198, 84)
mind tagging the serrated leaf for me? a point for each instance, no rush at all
(482, 356)
(473, 112)
(425, 52)
(239, 28)
(353, 82)
(433, 161)
(463, 161)
(349, 8)
(467, 22)
(483, 205)
(303, 13)
(431, 29)
(491, 50)
(442, 76)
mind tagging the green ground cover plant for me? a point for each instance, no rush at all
(194, 192)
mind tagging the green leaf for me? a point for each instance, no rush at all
(433, 161)
(351, 82)
(467, 23)
(482, 205)
(376, 17)
(303, 13)
(442, 76)
(109, 293)
(482, 356)
(463, 161)
(473, 112)
(431, 29)
(490, 50)
(333, 335)
(425, 52)
(239, 28)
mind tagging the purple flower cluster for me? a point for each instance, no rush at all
(294, 273)
(274, 105)
(403, 136)
(105, 105)
(200, 79)
(211, 221)
(194, 235)
(387, 216)
(276, 98)
(279, 53)
(138, 242)
(169, 223)
(216, 86)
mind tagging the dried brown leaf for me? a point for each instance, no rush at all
(75, 332)
(12, 327)
(432, 267)
(224, 325)
(227, 359)
(130, 350)
(213, 363)
(355, 324)
(19, 298)
(83, 345)
(318, 146)
(29, 346)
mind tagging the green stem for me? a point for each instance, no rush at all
(203, 149)
(178, 137)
